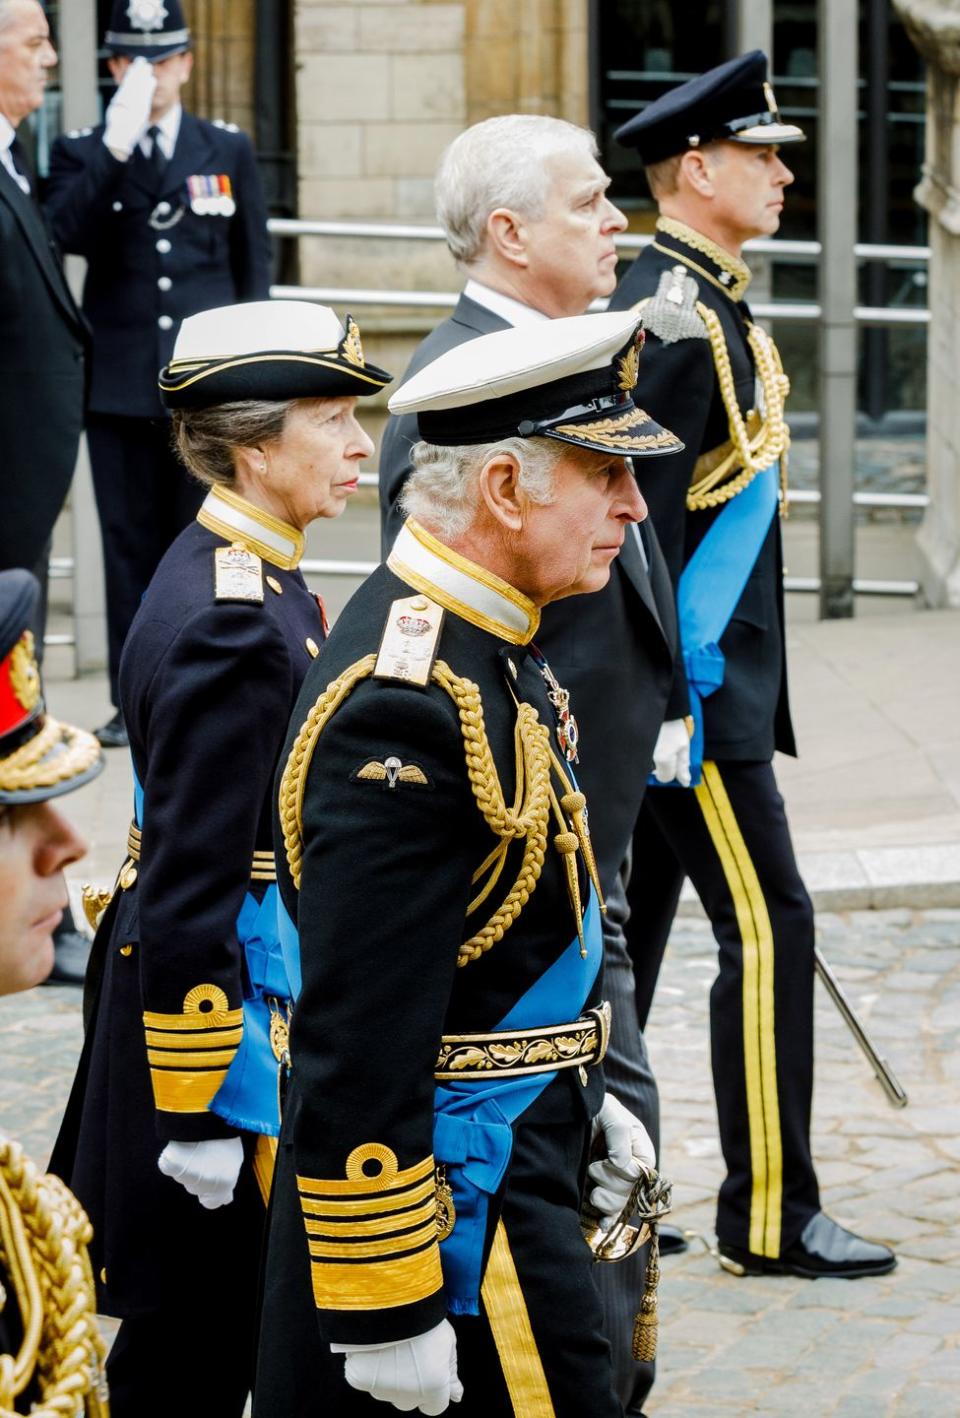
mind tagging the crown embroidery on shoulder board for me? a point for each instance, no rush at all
(411, 635)
(671, 314)
(238, 574)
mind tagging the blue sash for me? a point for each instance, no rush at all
(712, 583)
(472, 1130)
(247, 1098)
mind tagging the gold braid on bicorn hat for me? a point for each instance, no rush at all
(44, 1234)
(524, 820)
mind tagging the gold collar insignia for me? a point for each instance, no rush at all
(235, 519)
(727, 272)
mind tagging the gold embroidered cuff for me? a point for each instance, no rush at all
(189, 1053)
(377, 1249)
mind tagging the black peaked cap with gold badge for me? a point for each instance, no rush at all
(734, 101)
(147, 29)
(39, 756)
(267, 349)
(570, 379)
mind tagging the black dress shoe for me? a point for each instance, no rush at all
(823, 1248)
(672, 1240)
(113, 734)
(71, 950)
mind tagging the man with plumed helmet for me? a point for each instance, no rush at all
(168, 211)
(712, 153)
(425, 1246)
(50, 1347)
(171, 1126)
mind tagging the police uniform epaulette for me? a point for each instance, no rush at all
(227, 127)
(79, 133)
(671, 314)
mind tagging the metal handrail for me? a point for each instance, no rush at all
(761, 246)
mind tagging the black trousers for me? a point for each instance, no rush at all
(145, 497)
(536, 1350)
(730, 836)
(193, 1356)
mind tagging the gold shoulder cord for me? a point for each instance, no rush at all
(772, 440)
(527, 818)
(43, 1242)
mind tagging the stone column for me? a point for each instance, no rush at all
(934, 27)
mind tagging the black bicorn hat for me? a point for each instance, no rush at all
(734, 101)
(570, 379)
(39, 756)
(147, 29)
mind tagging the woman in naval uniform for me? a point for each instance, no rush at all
(171, 1126)
(50, 1347)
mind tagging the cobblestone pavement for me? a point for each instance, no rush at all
(773, 1346)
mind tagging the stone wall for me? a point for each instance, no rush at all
(222, 82)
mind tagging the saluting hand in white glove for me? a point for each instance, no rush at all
(671, 753)
(629, 1151)
(418, 1373)
(129, 111)
(207, 1170)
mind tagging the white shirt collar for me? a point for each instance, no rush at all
(513, 311)
(7, 133)
(461, 586)
(169, 126)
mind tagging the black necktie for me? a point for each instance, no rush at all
(20, 161)
(156, 162)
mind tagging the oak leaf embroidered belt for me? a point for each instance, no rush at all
(514, 1053)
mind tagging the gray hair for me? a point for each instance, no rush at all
(205, 438)
(441, 490)
(8, 9)
(501, 162)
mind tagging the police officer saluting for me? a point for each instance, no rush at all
(711, 151)
(168, 210)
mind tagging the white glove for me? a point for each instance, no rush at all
(129, 110)
(207, 1170)
(418, 1373)
(628, 1146)
(671, 753)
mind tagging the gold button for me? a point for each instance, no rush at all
(103, 1276)
(126, 950)
(312, 646)
(274, 585)
(420, 604)
(128, 876)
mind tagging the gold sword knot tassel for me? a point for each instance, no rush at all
(646, 1326)
(566, 844)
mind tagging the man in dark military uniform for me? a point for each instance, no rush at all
(51, 1351)
(711, 149)
(446, 1039)
(615, 651)
(169, 213)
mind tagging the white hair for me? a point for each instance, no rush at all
(8, 10)
(441, 491)
(501, 162)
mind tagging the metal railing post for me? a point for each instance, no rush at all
(836, 221)
(78, 73)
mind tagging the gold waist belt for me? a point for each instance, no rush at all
(510, 1053)
(263, 867)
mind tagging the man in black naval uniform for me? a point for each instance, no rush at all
(168, 211)
(433, 852)
(523, 202)
(712, 152)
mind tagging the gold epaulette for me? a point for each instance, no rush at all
(373, 1233)
(672, 312)
(44, 1235)
(755, 441)
(189, 1053)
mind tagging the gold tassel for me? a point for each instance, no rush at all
(566, 844)
(574, 805)
(646, 1325)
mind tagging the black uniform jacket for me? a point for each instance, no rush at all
(614, 651)
(749, 715)
(43, 339)
(206, 689)
(387, 879)
(151, 258)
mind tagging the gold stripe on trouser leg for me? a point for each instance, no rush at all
(759, 1037)
(510, 1326)
(264, 1162)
